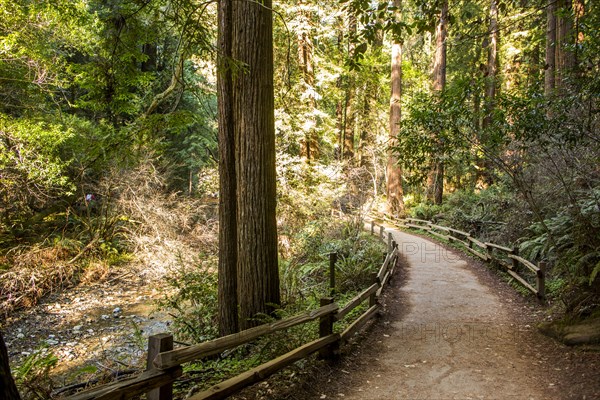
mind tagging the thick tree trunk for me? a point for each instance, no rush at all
(254, 125)
(228, 302)
(395, 198)
(8, 389)
(435, 181)
(550, 67)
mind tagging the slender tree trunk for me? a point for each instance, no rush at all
(305, 62)
(8, 389)
(339, 118)
(439, 63)
(349, 123)
(578, 13)
(349, 116)
(228, 302)
(340, 105)
(254, 126)
(550, 67)
(435, 180)
(491, 85)
(365, 123)
(565, 59)
(395, 197)
(492, 66)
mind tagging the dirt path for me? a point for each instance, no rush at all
(456, 340)
(452, 329)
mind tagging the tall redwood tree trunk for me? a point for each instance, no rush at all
(435, 181)
(395, 199)
(349, 115)
(254, 126)
(491, 84)
(310, 148)
(565, 58)
(492, 66)
(228, 302)
(550, 67)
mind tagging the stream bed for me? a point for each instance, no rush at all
(92, 330)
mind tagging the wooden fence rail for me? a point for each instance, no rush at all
(491, 252)
(164, 362)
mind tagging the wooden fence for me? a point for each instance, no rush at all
(508, 258)
(164, 362)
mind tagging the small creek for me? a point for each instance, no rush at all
(90, 329)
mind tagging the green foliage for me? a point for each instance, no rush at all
(425, 211)
(570, 241)
(192, 301)
(30, 155)
(432, 130)
(32, 375)
(305, 274)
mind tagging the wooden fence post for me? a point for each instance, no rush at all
(372, 227)
(541, 281)
(373, 297)
(515, 263)
(332, 260)
(381, 229)
(390, 239)
(326, 329)
(159, 344)
(490, 254)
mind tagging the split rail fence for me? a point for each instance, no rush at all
(164, 363)
(506, 257)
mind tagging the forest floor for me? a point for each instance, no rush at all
(452, 329)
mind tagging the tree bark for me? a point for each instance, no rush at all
(254, 126)
(485, 174)
(492, 66)
(8, 389)
(340, 104)
(349, 122)
(550, 67)
(365, 123)
(349, 116)
(565, 59)
(395, 198)
(439, 63)
(227, 292)
(435, 180)
(305, 62)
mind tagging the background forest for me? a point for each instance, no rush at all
(108, 131)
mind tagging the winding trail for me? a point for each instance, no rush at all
(456, 340)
